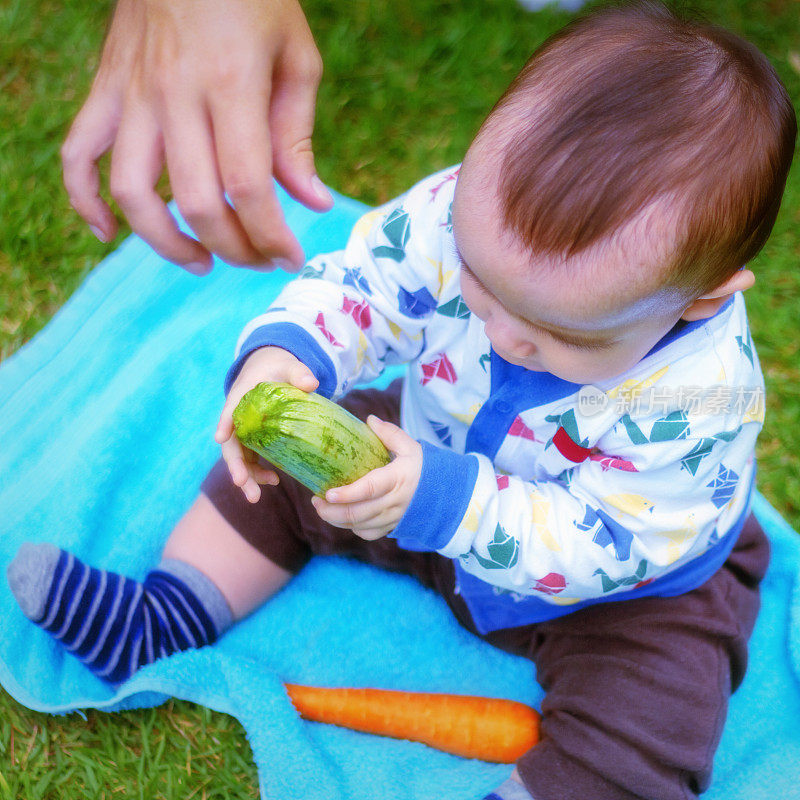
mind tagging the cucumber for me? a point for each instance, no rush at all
(307, 436)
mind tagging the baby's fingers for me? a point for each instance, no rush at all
(245, 474)
(257, 475)
(370, 514)
(224, 429)
(302, 377)
(374, 484)
(258, 472)
(395, 439)
(262, 475)
(233, 453)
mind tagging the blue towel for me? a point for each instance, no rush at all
(107, 429)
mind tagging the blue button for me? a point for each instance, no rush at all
(502, 407)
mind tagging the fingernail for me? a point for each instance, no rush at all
(284, 264)
(99, 234)
(321, 190)
(198, 268)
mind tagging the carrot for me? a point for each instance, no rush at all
(474, 727)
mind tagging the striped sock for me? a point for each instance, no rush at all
(510, 790)
(113, 624)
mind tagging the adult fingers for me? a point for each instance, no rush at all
(196, 184)
(136, 164)
(291, 121)
(243, 150)
(91, 134)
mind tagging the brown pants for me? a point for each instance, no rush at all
(636, 690)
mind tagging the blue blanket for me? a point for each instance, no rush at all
(106, 431)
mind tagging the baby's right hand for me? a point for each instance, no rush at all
(265, 364)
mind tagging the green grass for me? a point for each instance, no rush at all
(175, 751)
(406, 85)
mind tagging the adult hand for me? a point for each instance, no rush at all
(224, 95)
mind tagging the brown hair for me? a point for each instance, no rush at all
(631, 104)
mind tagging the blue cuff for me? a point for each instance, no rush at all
(299, 342)
(440, 501)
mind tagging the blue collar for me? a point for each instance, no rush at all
(682, 327)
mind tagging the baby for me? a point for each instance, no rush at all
(573, 440)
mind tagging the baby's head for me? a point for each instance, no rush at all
(621, 183)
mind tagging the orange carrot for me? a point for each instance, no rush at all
(474, 727)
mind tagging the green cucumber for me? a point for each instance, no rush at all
(307, 436)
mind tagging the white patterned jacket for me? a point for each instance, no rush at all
(548, 495)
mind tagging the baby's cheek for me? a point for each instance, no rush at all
(590, 366)
(473, 300)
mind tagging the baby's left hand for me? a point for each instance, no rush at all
(373, 505)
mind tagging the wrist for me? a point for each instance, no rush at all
(440, 500)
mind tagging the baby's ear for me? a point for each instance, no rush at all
(711, 302)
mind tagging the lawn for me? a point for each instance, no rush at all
(406, 84)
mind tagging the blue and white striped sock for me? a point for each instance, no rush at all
(113, 624)
(510, 790)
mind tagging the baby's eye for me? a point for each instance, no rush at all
(457, 253)
(471, 276)
(589, 346)
(584, 347)
(467, 272)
